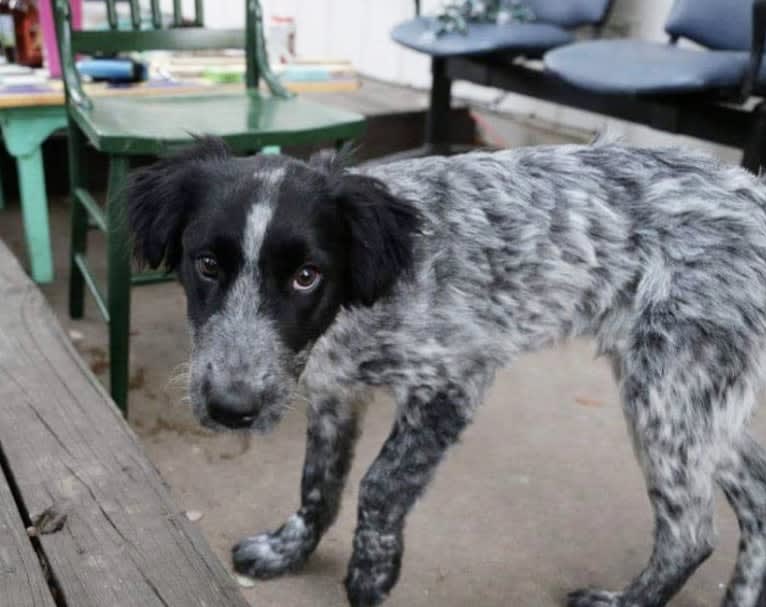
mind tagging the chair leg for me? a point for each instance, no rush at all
(437, 121)
(753, 155)
(79, 220)
(118, 283)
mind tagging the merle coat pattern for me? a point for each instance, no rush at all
(424, 277)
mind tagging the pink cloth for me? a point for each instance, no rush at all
(48, 28)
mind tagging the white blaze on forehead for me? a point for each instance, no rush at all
(255, 229)
(270, 179)
(267, 184)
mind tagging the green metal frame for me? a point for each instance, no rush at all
(150, 33)
(182, 39)
(118, 280)
(178, 38)
(86, 213)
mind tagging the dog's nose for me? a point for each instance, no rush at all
(232, 408)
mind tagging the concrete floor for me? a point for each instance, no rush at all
(542, 496)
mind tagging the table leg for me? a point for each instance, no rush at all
(24, 130)
(34, 210)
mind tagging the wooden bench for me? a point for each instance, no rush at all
(85, 519)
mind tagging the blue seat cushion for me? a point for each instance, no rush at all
(637, 67)
(569, 13)
(531, 39)
(724, 26)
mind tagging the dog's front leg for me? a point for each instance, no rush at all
(427, 423)
(331, 435)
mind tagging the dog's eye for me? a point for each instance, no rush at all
(207, 266)
(307, 278)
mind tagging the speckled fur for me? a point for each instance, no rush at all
(660, 255)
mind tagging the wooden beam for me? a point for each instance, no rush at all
(10, 277)
(21, 576)
(123, 541)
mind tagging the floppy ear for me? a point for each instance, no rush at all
(380, 228)
(160, 199)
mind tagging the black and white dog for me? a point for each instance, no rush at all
(425, 276)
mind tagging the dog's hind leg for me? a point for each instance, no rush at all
(669, 394)
(743, 481)
(331, 436)
(683, 537)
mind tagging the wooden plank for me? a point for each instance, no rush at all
(123, 542)
(22, 582)
(10, 277)
(375, 98)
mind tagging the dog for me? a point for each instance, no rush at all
(424, 277)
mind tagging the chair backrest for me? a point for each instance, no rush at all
(150, 32)
(716, 24)
(570, 13)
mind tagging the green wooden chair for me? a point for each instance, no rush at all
(130, 126)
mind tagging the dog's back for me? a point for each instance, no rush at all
(547, 242)
(661, 255)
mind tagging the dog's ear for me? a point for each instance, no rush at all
(161, 197)
(380, 228)
(329, 162)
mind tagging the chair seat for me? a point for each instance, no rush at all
(531, 39)
(638, 67)
(246, 120)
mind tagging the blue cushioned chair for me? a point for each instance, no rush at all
(704, 92)
(726, 67)
(649, 68)
(553, 25)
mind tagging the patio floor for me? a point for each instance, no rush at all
(542, 496)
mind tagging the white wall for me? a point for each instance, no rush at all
(358, 30)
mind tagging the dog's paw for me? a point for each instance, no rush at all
(374, 567)
(590, 597)
(271, 554)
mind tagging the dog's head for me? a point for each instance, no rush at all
(268, 249)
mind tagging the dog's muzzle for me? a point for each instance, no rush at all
(235, 407)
